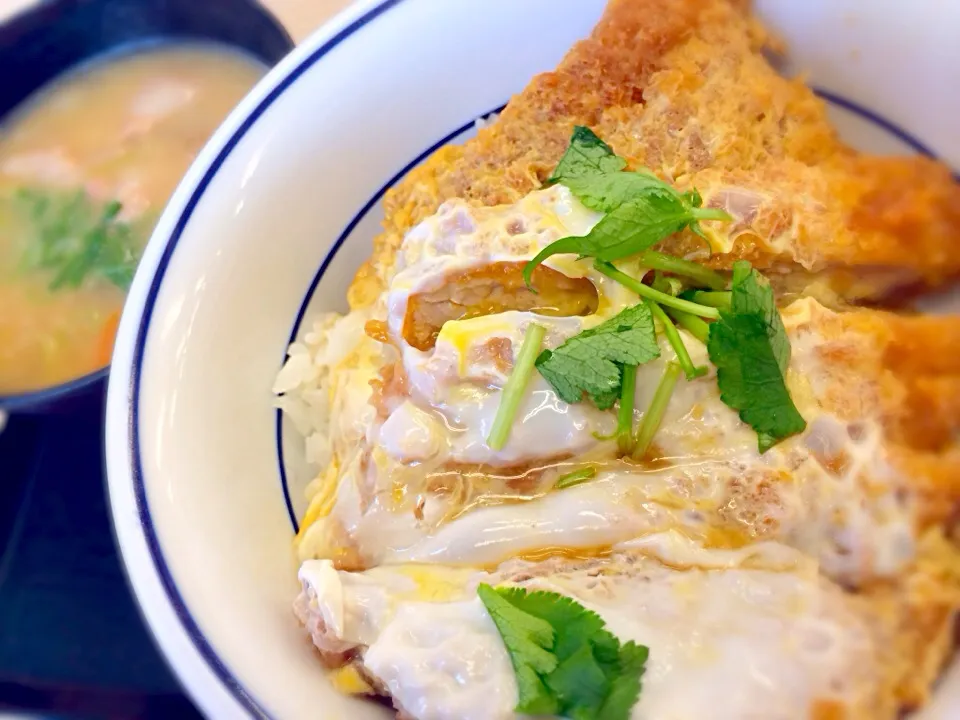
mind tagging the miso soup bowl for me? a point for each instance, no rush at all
(50, 37)
(206, 482)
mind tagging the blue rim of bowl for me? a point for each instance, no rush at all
(173, 596)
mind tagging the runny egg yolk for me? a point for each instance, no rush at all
(349, 681)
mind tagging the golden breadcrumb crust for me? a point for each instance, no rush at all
(913, 624)
(681, 86)
(905, 370)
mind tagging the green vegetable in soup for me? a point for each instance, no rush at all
(74, 237)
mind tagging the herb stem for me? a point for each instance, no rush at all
(678, 266)
(576, 477)
(654, 414)
(625, 411)
(691, 323)
(719, 300)
(517, 383)
(703, 213)
(676, 342)
(645, 291)
(666, 284)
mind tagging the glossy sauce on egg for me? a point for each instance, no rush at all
(417, 481)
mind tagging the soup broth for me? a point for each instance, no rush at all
(85, 167)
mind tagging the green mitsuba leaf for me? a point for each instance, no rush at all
(586, 154)
(592, 361)
(640, 208)
(529, 641)
(565, 660)
(750, 347)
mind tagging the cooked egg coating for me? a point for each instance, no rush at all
(414, 480)
(771, 643)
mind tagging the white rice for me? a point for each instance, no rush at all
(485, 121)
(302, 385)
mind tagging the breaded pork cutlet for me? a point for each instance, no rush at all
(867, 494)
(866, 656)
(682, 87)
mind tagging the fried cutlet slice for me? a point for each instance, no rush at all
(420, 635)
(904, 370)
(876, 468)
(683, 87)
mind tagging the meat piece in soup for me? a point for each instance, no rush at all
(85, 168)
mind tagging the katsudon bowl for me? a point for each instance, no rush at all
(49, 50)
(206, 478)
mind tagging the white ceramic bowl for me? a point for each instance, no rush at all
(271, 222)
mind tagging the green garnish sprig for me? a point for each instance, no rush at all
(750, 348)
(565, 661)
(676, 342)
(640, 210)
(75, 238)
(575, 477)
(628, 391)
(745, 339)
(512, 394)
(691, 323)
(657, 296)
(711, 298)
(658, 408)
(592, 362)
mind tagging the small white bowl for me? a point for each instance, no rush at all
(269, 225)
